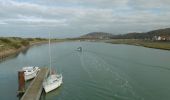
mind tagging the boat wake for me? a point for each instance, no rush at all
(111, 82)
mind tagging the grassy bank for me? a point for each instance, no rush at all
(16, 43)
(165, 45)
(13, 45)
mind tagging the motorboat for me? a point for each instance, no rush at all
(79, 49)
(30, 72)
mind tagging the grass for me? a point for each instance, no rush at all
(7, 43)
(13, 45)
(146, 43)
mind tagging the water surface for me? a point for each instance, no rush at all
(101, 72)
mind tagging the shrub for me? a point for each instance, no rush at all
(15, 45)
(25, 43)
(5, 40)
(39, 39)
(30, 39)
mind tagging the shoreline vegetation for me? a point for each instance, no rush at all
(156, 44)
(164, 45)
(158, 39)
(12, 45)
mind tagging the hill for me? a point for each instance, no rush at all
(145, 35)
(98, 35)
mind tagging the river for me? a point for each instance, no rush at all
(102, 71)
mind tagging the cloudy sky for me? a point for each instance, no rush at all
(71, 18)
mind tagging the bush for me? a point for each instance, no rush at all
(5, 40)
(30, 39)
(25, 43)
(39, 39)
(15, 45)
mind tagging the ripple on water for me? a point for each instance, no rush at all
(114, 85)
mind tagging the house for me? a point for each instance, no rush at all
(161, 38)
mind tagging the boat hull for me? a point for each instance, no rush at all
(31, 74)
(52, 86)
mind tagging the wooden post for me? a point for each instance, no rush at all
(21, 82)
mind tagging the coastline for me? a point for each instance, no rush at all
(162, 45)
(7, 53)
(10, 52)
(144, 43)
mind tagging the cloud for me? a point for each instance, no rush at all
(77, 17)
(150, 4)
(85, 3)
(2, 22)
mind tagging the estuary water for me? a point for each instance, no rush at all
(101, 71)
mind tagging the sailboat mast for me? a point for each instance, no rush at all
(50, 51)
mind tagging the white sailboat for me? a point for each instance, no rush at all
(30, 72)
(54, 80)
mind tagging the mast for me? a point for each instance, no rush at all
(50, 51)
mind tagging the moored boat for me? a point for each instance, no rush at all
(54, 80)
(30, 72)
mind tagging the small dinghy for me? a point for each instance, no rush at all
(79, 49)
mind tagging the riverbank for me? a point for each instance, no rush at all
(164, 45)
(12, 45)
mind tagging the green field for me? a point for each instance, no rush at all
(146, 43)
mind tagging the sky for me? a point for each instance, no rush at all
(73, 18)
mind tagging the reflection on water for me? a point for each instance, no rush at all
(9, 57)
(24, 52)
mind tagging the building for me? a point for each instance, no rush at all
(161, 38)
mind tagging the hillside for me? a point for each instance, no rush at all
(97, 35)
(146, 35)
